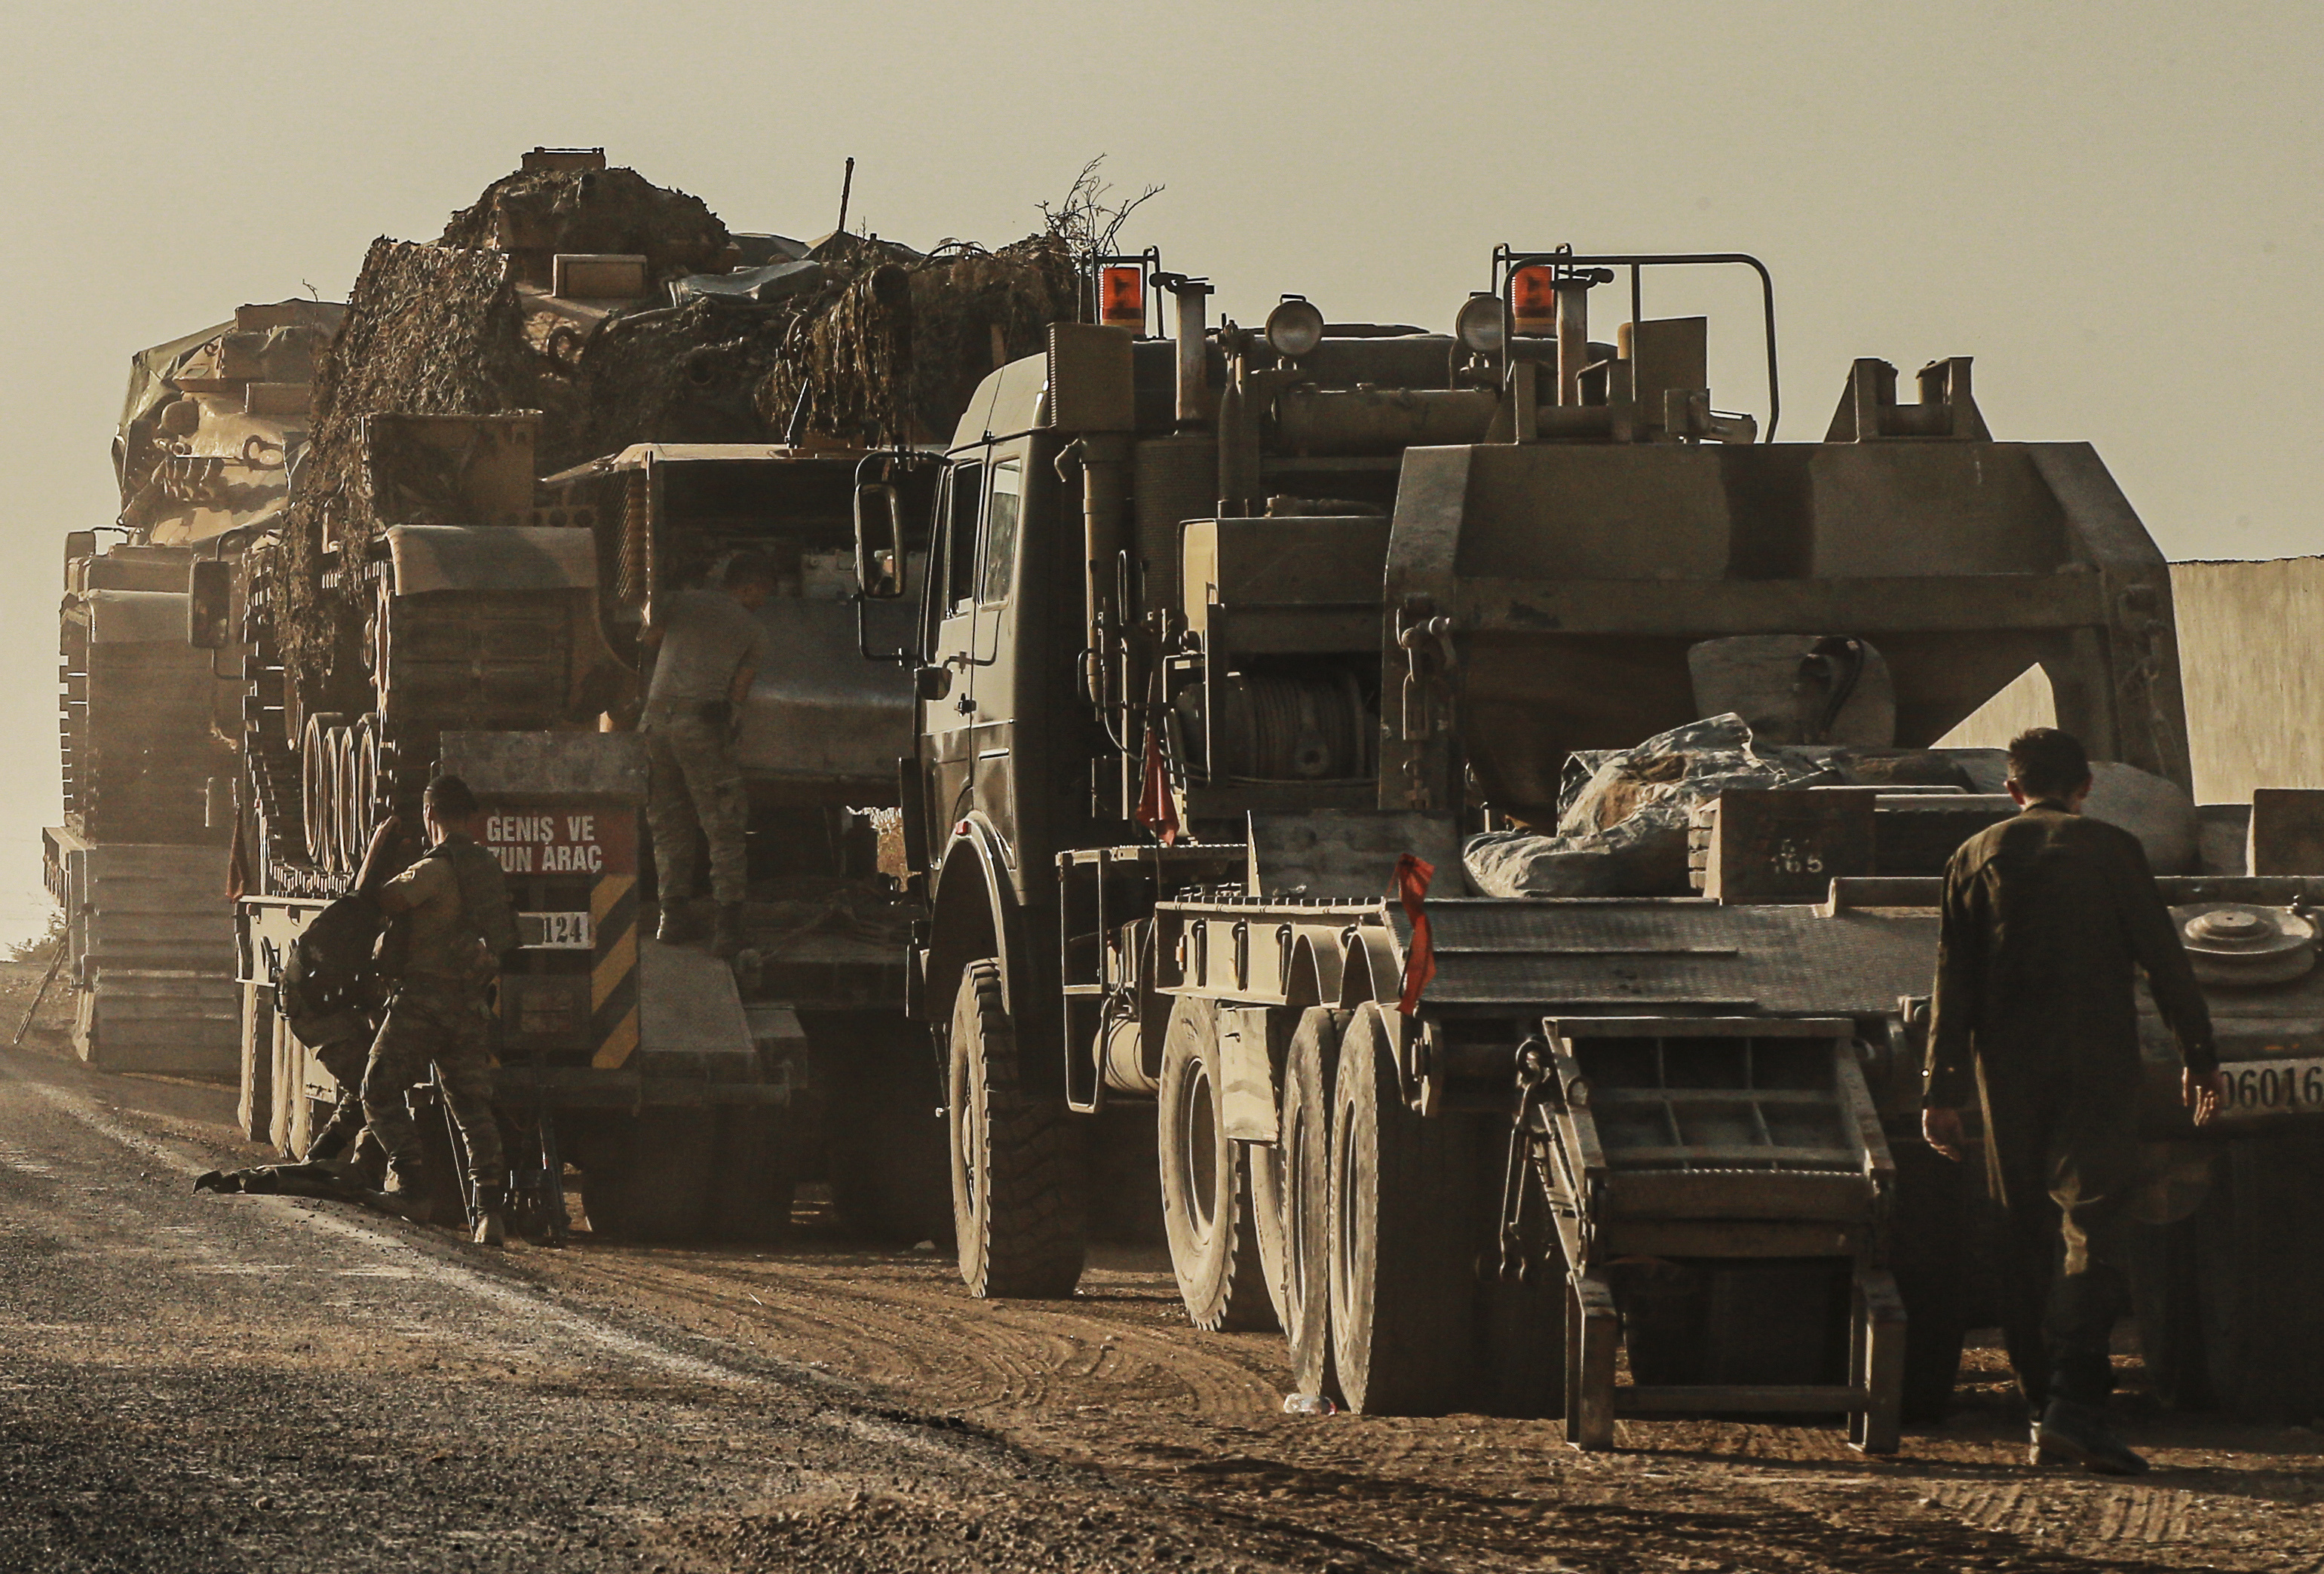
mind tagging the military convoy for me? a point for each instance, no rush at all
(1270, 705)
(1233, 642)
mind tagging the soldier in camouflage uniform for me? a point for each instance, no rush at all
(440, 1011)
(345, 1141)
(708, 647)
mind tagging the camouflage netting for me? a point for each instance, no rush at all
(903, 346)
(534, 214)
(888, 345)
(428, 330)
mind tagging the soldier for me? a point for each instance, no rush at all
(709, 647)
(449, 919)
(2046, 915)
(345, 1142)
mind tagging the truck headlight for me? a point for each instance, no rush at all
(1479, 324)
(1295, 326)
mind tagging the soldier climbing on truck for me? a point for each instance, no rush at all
(707, 649)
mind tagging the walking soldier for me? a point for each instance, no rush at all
(2046, 917)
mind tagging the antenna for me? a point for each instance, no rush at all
(846, 188)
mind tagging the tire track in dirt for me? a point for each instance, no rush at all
(1113, 1378)
(875, 1324)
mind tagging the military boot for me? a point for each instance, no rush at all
(492, 1228)
(407, 1189)
(2076, 1433)
(726, 932)
(678, 926)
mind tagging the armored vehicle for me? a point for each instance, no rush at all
(140, 861)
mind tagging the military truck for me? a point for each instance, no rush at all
(692, 1096)
(317, 609)
(1232, 641)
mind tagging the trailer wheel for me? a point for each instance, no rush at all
(651, 1180)
(1270, 1196)
(1206, 1193)
(1015, 1159)
(750, 1199)
(1263, 1172)
(1302, 1170)
(1403, 1286)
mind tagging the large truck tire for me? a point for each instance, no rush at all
(1403, 1284)
(752, 1176)
(652, 1181)
(1928, 1234)
(1263, 1172)
(1016, 1157)
(1206, 1192)
(1303, 1169)
(2276, 1370)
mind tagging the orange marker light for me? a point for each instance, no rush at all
(1122, 297)
(1533, 302)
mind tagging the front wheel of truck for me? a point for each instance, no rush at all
(1015, 1156)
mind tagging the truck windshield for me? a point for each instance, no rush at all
(964, 491)
(1000, 534)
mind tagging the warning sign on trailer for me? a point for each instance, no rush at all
(562, 841)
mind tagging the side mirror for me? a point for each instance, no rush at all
(879, 541)
(209, 604)
(79, 543)
(933, 683)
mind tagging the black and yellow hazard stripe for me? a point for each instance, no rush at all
(613, 972)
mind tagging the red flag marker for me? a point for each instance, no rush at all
(1412, 877)
(1158, 812)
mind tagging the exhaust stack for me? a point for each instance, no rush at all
(1193, 299)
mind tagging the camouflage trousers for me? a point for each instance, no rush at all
(694, 781)
(345, 1135)
(451, 1028)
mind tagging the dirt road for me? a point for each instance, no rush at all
(230, 1383)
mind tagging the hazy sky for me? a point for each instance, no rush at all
(2114, 208)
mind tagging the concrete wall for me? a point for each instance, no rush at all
(2251, 657)
(2251, 654)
